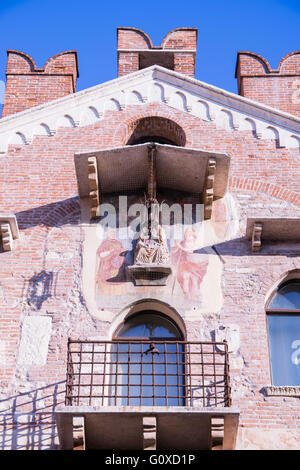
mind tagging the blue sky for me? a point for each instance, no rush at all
(42, 28)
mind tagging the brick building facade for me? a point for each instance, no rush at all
(153, 133)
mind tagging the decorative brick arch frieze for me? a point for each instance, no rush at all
(55, 214)
(258, 186)
(124, 131)
(49, 232)
(63, 212)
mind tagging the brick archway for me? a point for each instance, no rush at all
(159, 124)
(153, 127)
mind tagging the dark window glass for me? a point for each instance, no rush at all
(146, 378)
(287, 297)
(149, 325)
(152, 138)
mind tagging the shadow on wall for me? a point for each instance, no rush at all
(27, 420)
(242, 247)
(39, 289)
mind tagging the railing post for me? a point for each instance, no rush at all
(227, 379)
(70, 377)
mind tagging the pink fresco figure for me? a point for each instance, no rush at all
(110, 273)
(190, 268)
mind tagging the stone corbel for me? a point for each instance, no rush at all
(93, 187)
(8, 231)
(7, 238)
(256, 236)
(208, 194)
(149, 433)
(258, 130)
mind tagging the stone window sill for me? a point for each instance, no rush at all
(282, 391)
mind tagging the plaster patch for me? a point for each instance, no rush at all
(264, 439)
(231, 334)
(35, 337)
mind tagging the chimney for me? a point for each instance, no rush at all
(279, 88)
(177, 51)
(28, 86)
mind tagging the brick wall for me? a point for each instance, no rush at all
(279, 88)
(41, 280)
(28, 86)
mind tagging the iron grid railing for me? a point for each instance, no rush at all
(134, 372)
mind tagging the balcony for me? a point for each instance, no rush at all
(143, 394)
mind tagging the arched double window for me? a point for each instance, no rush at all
(148, 362)
(283, 317)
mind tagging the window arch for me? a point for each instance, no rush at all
(148, 362)
(283, 318)
(149, 324)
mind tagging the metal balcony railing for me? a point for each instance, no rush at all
(160, 372)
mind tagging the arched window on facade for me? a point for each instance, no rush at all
(148, 362)
(283, 317)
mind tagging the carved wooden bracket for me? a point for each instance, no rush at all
(149, 433)
(93, 187)
(8, 231)
(256, 236)
(208, 193)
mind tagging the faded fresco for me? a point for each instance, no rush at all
(188, 266)
(111, 266)
(196, 267)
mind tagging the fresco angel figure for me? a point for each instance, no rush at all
(190, 267)
(110, 266)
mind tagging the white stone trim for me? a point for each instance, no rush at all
(282, 391)
(154, 84)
